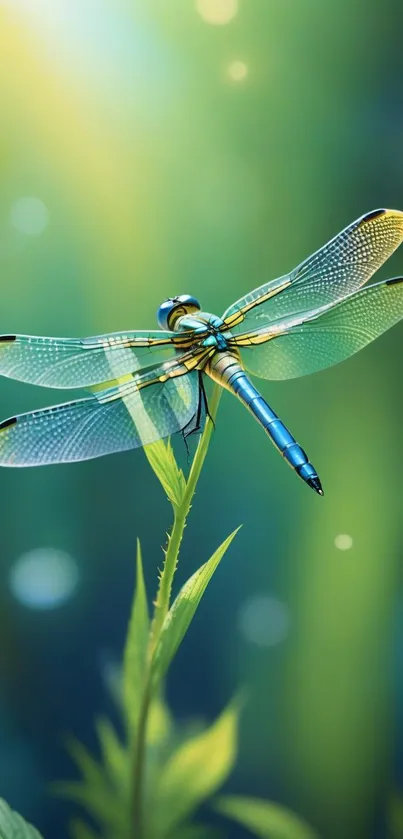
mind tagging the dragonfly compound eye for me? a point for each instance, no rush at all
(175, 307)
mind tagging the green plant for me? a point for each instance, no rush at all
(151, 783)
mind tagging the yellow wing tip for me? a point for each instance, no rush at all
(382, 212)
(396, 218)
(398, 214)
(392, 219)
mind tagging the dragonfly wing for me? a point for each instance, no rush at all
(133, 413)
(298, 347)
(71, 362)
(338, 269)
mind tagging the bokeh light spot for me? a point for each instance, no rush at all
(264, 620)
(29, 215)
(343, 542)
(43, 578)
(238, 71)
(217, 12)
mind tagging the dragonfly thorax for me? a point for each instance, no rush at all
(207, 329)
(176, 307)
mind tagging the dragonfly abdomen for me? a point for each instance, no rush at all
(226, 369)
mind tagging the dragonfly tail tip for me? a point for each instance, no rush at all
(315, 484)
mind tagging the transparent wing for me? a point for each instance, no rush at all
(133, 413)
(297, 348)
(75, 362)
(329, 275)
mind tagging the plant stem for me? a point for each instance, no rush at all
(161, 609)
(180, 516)
(139, 755)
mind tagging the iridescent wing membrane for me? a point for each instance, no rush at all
(131, 410)
(317, 315)
(150, 382)
(80, 362)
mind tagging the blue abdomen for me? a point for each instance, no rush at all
(225, 368)
(275, 428)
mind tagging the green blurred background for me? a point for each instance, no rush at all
(155, 147)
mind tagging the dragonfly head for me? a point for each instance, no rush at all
(176, 307)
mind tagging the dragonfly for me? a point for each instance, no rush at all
(145, 386)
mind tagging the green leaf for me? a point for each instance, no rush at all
(92, 771)
(160, 723)
(196, 770)
(114, 754)
(264, 819)
(80, 830)
(105, 807)
(180, 615)
(135, 654)
(162, 460)
(13, 826)
(95, 793)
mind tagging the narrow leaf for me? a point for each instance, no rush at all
(135, 653)
(13, 826)
(160, 723)
(182, 611)
(105, 808)
(196, 770)
(95, 792)
(264, 819)
(161, 458)
(115, 756)
(92, 771)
